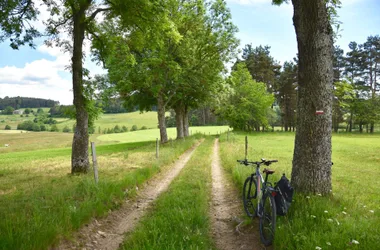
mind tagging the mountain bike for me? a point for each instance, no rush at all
(258, 199)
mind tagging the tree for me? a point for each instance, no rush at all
(7, 127)
(78, 19)
(202, 54)
(27, 111)
(261, 65)
(343, 101)
(311, 172)
(8, 110)
(15, 17)
(287, 94)
(371, 58)
(139, 62)
(246, 103)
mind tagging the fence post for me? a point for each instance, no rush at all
(246, 147)
(94, 162)
(157, 148)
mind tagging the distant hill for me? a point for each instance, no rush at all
(26, 102)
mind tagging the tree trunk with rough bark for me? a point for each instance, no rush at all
(186, 122)
(161, 119)
(311, 172)
(179, 121)
(79, 156)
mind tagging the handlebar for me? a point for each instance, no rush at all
(257, 163)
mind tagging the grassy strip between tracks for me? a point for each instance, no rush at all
(179, 218)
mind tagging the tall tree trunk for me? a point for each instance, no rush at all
(161, 118)
(350, 124)
(311, 172)
(79, 155)
(372, 128)
(179, 121)
(186, 122)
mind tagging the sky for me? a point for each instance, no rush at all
(42, 72)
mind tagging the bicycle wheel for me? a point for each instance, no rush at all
(249, 197)
(267, 219)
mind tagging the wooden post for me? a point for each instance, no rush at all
(246, 147)
(94, 162)
(157, 148)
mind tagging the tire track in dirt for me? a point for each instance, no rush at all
(227, 212)
(109, 232)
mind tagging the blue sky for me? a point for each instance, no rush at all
(41, 72)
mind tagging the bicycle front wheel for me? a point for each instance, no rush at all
(250, 197)
(267, 219)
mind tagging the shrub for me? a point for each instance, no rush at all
(54, 128)
(43, 127)
(66, 129)
(26, 125)
(36, 127)
(124, 129)
(91, 130)
(116, 129)
(7, 127)
(134, 128)
(144, 128)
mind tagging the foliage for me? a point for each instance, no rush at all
(25, 102)
(15, 22)
(54, 128)
(8, 110)
(261, 65)
(134, 128)
(245, 107)
(7, 127)
(66, 129)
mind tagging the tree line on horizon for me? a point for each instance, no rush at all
(26, 102)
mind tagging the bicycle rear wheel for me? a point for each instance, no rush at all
(267, 219)
(250, 197)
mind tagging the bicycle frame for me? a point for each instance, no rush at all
(260, 189)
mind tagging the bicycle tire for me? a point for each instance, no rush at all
(249, 200)
(267, 219)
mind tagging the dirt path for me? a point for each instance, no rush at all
(227, 213)
(108, 233)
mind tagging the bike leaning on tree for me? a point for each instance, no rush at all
(262, 199)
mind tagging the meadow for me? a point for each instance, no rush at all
(105, 121)
(348, 218)
(40, 202)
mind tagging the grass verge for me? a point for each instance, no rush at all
(179, 219)
(349, 218)
(43, 203)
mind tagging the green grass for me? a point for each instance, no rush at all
(180, 217)
(41, 202)
(152, 134)
(353, 210)
(105, 121)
